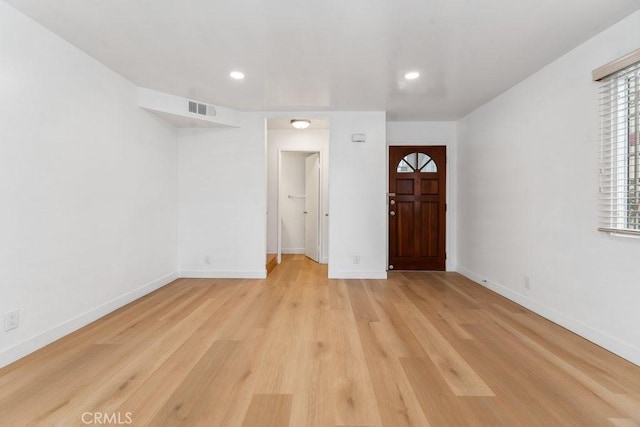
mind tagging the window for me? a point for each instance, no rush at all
(620, 157)
(416, 162)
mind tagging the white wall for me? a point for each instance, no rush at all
(435, 133)
(292, 182)
(222, 200)
(221, 210)
(358, 196)
(528, 199)
(88, 188)
(289, 140)
(222, 196)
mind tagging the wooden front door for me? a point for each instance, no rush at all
(417, 208)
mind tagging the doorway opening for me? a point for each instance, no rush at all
(299, 204)
(297, 193)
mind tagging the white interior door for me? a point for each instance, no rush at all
(311, 207)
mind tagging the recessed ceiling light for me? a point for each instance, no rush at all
(300, 123)
(412, 75)
(237, 75)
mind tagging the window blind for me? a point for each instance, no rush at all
(619, 156)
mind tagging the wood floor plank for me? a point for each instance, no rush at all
(391, 328)
(503, 363)
(269, 410)
(282, 343)
(237, 381)
(338, 295)
(312, 404)
(360, 301)
(271, 303)
(355, 402)
(443, 318)
(300, 349)
(439, 404)
(401, 407)
(195, 392)
(461, 377)
(443, 306)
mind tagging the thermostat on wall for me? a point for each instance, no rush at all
(358, 137)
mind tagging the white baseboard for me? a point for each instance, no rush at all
(40, 340)
(357, 274)
(214, 274)
(292, 250)
(621, 348)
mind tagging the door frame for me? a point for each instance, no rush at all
(280, 197)
(449, 192)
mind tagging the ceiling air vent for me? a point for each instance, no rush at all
(202, 109)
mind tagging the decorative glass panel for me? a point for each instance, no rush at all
(403, 167)
(416, 162)
(411, 159)
(430, 166)
(423, 159)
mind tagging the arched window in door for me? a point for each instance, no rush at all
(417, 162)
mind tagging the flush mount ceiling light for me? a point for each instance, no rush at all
(300, 123)
(412, 75)
(237, 75)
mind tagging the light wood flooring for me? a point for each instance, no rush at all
(272, 262)
(297, 349)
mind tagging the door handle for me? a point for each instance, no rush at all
(304, 212)
(392, 213)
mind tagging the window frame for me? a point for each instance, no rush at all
(619, 191)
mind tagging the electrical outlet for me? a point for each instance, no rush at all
(11, 320)
(207, 259)
(527, 282)
(356, 259)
